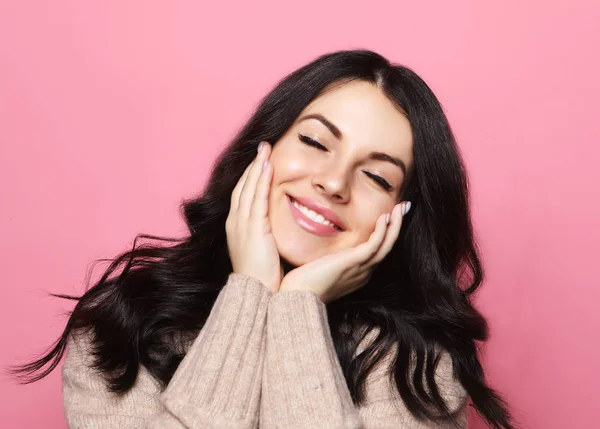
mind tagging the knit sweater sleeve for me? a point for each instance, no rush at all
(217, 385)
(304, 386)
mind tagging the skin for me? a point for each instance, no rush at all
(339, 175)
(369, 122)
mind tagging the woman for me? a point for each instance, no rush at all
(325, 281)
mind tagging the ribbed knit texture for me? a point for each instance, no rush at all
(224, 366)
(302, 367)
(304, 386)
(261, 360)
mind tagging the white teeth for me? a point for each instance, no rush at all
(311, 214)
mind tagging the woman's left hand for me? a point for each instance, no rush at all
(333, 276)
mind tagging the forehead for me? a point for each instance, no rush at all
(364, 114)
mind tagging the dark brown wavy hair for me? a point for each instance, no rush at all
(418, 297)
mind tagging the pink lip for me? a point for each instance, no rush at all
(310, 225)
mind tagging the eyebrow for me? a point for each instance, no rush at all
(377, 156)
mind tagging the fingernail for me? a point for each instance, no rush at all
(260, 146)
(387, 219)
(265, 162)
(405, 208)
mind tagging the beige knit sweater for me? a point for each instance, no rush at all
(262, 360)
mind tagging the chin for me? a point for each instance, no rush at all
(294, 254)
(295, 245)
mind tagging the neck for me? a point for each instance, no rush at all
(287, 267)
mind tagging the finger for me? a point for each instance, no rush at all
(365, 251)
(249, 189)
(235, 195)
(391, 235)
(260, 204)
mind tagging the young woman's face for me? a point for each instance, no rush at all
(336, 170)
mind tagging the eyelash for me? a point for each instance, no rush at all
(312, 142)
(377, 179)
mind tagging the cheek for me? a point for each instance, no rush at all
(289, 165)
(365, 215)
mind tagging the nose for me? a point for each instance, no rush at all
(332, 183)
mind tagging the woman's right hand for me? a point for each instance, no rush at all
(252, 248)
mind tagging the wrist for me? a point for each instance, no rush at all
(289, 288)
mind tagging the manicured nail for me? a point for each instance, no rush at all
(387, 219)
(405, 208)
(260, 146)
(265, 162)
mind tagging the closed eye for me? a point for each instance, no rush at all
(377, 179)
(380, 181)
(311, 142)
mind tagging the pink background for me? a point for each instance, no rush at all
(112, 112)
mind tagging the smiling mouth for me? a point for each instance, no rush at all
(313, 216)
